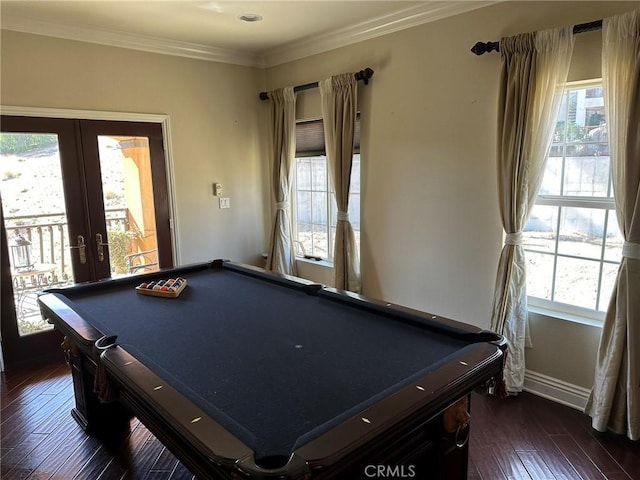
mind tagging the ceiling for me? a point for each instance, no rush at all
(211, 30)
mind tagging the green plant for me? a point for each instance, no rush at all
(596, 119)
(22, 142)
(111, 195)
(575, 132)
(119, 247)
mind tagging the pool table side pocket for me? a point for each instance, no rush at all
(64, 318)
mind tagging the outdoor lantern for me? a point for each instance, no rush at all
(21, 254)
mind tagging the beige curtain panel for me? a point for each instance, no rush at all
(281, 255)
(614, 402)
(534, 70)
(339, 96)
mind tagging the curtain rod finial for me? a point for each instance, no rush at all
(364, 75)
(481, 48)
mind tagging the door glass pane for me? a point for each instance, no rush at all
(125, 167)
(35, 220)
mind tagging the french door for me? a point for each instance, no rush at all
(81, 200)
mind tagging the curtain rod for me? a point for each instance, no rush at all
(363, 75)
(481, 48)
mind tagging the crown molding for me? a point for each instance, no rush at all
(132, 41)
(410, 17)
(407, 18)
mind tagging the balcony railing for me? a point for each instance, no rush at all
(49, 235)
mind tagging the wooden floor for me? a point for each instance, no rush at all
(523, 437)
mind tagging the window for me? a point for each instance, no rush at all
(314, 203)
(572, 242)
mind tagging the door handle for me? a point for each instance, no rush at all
(82, 249)
(101, 246)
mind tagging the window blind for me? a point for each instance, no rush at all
(310, 138)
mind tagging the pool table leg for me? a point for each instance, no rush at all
(453, 459)
(454, 443)
(95, 417)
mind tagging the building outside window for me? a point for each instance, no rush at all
(313, 200)
(572, 241)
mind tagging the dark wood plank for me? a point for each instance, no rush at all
(66, 449)
(510, 462)
(181, 473)
(536, 466)
(58, 415)
(33, 459)
(521, 437)
(576, 456)
(486, 463)
(620, 476)
(625, 452)
(21, 425)
(126, 459)
(22, 385)
(598, 453)
(146, 456)
(12, 456)
(80, 457)
(157, 475)
(165, 461)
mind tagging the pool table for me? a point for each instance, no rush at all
(249, 374)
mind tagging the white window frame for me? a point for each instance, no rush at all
(559, 309)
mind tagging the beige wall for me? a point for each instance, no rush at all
(213, 110)
(431, 232)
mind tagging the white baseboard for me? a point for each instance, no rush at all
(557, 390)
